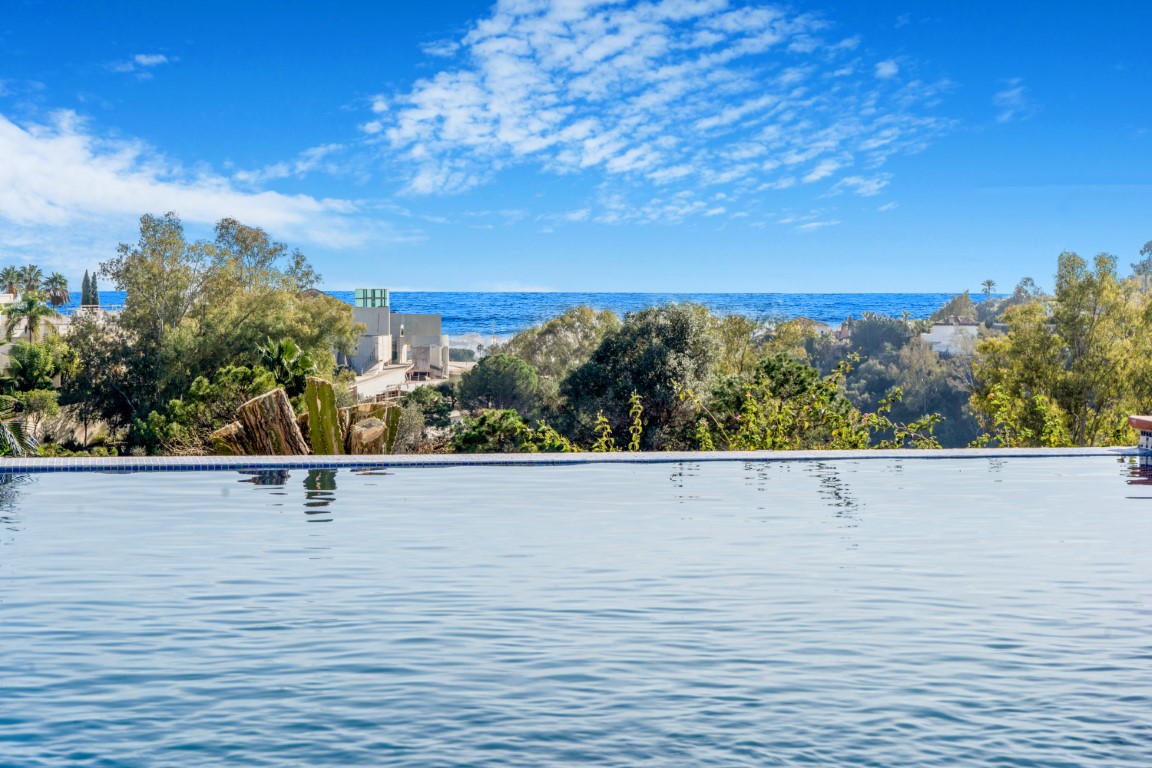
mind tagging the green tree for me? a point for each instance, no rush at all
(10, 280)
(290, 366)
(36, 365)
(56, 286)
(874, 334)
(85, 290)
(988, 286)
(31, 310)
(500, 381)
(93, 293)
(556, 346)
(654, 354)
(14, 439)
(193, 308)
(31, 277)
(1071, 360)
(494, 431)
(959, 307)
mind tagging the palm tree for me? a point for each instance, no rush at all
(32, 310)
(31, 276)
(10, 280)
(57, 287)
(14, 440)
(989, 286)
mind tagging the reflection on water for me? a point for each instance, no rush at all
(9, 495)
(702, 614)
(319, 489)
(319, 492)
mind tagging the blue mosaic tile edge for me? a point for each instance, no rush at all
(250, 463)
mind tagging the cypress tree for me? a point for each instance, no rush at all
(94, 292)
(85, 290)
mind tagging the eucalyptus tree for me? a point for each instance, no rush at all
(192, 308)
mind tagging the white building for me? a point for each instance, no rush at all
(414, 341)
(957, 337)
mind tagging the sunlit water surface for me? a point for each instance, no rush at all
(866, 613)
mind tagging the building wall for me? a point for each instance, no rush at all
(382, 340)
(949, 339)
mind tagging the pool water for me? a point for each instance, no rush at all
(847, 613)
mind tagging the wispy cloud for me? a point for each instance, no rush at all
(683, 94)
(60, 179)
(1012, 102)
(141, 64)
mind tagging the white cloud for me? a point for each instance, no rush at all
(862, 185)
(140, 64)
(150, 59)
(646, 95)
(1012, 102)
(888, 207)
(887, 69)
(66, 191)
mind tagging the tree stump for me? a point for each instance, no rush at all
(269, 426)
(366, 437)
(229, 440)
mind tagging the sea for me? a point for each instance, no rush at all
(503, 314)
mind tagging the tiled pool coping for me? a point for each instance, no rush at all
(195, 463)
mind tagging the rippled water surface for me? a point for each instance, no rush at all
(867, 613)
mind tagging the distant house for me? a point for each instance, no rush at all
(952, 338)
(415, 341)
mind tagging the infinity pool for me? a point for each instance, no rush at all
(840, 613)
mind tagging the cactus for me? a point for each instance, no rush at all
(325, 430)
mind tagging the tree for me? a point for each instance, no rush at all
(1068, 369)
(988, 286)
(556, 346)
(655, 354)
(290, 366)
(14, 439)
(85, 290)
(500, 381)
(32, 311)
(93, 293)
(31, 277)
(10, 280)
(959, 307)
(494, 431)
(193, 308)
(874, 334)
(36, 365)
(57, 287)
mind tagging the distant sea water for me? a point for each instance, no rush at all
(504, 314)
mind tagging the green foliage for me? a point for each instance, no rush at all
(561, 344)
(193, 308)
(496, 431)
(432, 404)
(31, 310)
(1070, 370)
(874, 335)
(35, 365)
(289, 365)
(959, 307)
(653, 354)
(85, 289)
(14, 439)
(209, 404)
(500, 381)
(786, 405)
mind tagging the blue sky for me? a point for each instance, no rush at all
(675, 145)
